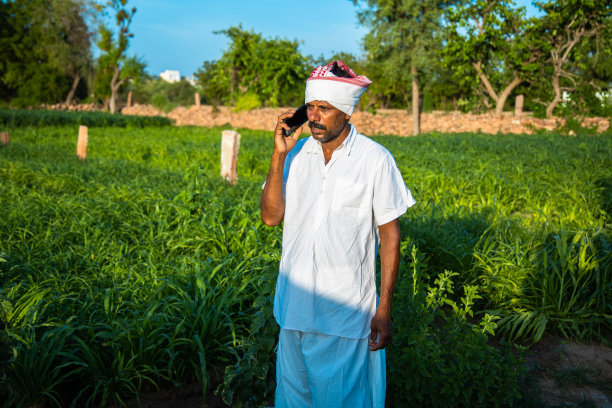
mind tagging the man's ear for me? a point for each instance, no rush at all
(347, 116)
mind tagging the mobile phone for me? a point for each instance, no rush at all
(298, 119)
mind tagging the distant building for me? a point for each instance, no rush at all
(190, 79)
(170, 76)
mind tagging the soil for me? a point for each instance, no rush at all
(384, 122)
(572, 374)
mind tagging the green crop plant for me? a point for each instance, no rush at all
(139, 269)
(15, 118)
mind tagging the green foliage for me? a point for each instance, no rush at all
(13, 118)
(273, 69)
(252, 378)
(487, 49)
(572, 38)
(44, 47)
(248, 101)
(403, 34)
(561, 285)
(138, 269)
(114, 63)
(162, 94)
(441, 356)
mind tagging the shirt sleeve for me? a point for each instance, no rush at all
(391, 196)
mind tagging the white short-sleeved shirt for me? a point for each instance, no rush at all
(326, 281)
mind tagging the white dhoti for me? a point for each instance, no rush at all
(318, 370)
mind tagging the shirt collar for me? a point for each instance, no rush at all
(314, 146)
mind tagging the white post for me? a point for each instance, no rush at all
(82, 143)
(129, 99)
(5, 138)
(518, 105)
(197, 100)
(230, 144)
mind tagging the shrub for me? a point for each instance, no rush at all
(440, 358)
(247, 101)
(20, 118)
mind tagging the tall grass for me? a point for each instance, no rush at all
(139, 268)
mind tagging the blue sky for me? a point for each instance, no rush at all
(178, 34)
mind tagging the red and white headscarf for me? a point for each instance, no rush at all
(342, 93)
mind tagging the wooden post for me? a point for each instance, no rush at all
(82, 143)
(129, 101)
(230, 144)
(197, 100)
(518, 105)
(5, 138)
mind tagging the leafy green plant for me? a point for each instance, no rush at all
(556, 286)
(35, 376)
(441, 358)
(247, 101)
(161, 102)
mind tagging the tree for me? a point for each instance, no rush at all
(272, 69)
(489, 36)
(559, 33)
(404, 33)
(73, 54)
(114, 62)
(44, 44)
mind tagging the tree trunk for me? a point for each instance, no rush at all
(485, 81)
(75, 83)
(416, 112)
(112, 105)
(499, 107)
(557, 95)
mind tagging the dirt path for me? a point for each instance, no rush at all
(573, 374)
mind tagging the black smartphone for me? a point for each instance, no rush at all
(298, 119)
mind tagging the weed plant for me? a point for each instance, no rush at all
(138, 269)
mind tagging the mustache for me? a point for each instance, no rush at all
(316, 125)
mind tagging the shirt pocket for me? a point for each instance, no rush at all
(350, 198)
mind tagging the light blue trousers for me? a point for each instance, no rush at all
(317, 370)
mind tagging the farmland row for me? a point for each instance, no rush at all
(139, 269)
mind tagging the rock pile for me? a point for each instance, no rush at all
(82, 107)
(385, 121)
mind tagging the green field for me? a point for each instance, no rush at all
(138, 269)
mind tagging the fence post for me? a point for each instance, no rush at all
(82, 143)
(129, 101)
(5, 138)
(197, 100)
(518, 105)
(230, 144)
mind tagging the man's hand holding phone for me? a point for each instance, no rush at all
(283, 144)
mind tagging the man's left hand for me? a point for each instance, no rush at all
(381, 332)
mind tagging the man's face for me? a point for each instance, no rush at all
(325, 121)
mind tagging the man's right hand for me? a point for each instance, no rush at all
(283, 144)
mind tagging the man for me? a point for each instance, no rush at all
(339, 194)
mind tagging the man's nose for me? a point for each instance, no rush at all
(313, 115)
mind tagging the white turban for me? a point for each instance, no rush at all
(342, 93)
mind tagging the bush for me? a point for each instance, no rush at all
(247, 101)
(20, 118)
(440, 358)
(164, 95)
(161, 102)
